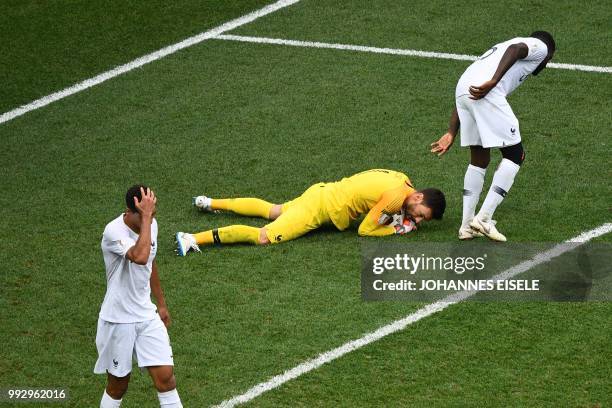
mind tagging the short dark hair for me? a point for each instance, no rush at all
(546, 38)
(435, 200)
(132, 192)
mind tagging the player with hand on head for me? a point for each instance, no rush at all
(128, 323)
(487, 121)
(378, 194)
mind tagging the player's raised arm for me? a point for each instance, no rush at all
(139, 253)
(446, 141)
(513, 53)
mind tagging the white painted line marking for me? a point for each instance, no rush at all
(391, 51)
(401, 324)
(346, 47)
(139, 62)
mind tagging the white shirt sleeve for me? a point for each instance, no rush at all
(117, 243)
(537, 49)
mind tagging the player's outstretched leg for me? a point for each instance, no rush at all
(502, 181)
(234, 234)
(472, 187)
(250, 207)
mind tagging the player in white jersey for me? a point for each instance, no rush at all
(129, 324)
(487, 121)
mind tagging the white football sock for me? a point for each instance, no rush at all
(502, 181)
(472, 187)
(169, 399)
(108, 402)
(207, 203)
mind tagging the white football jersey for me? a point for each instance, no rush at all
(485, 66)
(128, 291)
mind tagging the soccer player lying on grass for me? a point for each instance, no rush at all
(381, 194)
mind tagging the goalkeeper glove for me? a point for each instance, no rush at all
(403, 225)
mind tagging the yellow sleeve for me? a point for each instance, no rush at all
(390, 203)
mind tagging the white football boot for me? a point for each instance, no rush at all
(487, 227)
(202, 202)
(468, 233)
(184, 243)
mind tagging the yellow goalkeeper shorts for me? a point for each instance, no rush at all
(299, 216)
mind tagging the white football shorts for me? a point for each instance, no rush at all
(118, 343)
(487, 122)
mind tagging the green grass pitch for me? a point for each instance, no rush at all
(234, 119)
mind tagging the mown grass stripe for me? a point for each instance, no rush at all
(401, 324)
(391, 51)
(139, 62)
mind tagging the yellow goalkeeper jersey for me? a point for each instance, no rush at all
(378, 193)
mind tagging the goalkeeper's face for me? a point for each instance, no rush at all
(416, 208)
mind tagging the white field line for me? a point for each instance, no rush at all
(401, 324)
(392, 51)
(139, 62)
